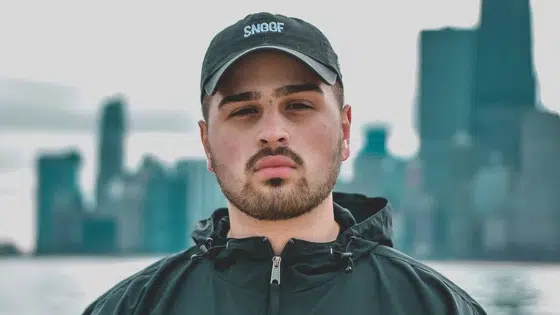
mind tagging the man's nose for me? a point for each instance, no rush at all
(273, 131)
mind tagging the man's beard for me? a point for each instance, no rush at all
(279, 202)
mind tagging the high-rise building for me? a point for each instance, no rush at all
(125, 203)
(376, 141)
(111, 150)
(534, 215)
(58, 200)
(204, 195)
(504, 59)
(156, 218)
(445, 83)
(377, 173)
(177, 204)
(504, 79)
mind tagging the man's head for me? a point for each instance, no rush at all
(275, 127)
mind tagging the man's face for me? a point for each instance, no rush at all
(275, 136)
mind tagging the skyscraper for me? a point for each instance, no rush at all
(111, 145)
(504, 66)
(58, 192)
(445, 81)
(445, 85)
(504, 78)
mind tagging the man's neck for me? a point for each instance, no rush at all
(318, 225)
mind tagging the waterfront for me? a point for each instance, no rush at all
(64, 286)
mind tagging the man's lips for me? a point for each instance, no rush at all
(274, 162)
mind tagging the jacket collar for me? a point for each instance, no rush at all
(359, 216)
(365, 223)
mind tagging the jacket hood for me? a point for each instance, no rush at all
(360, 217)
(364, 223)
(372, 217)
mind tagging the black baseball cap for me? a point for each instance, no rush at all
(260, 31)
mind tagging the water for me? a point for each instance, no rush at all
(65, 286)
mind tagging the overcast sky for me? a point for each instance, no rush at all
(152, 54)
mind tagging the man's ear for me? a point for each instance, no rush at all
(346, 123)
(203, 127)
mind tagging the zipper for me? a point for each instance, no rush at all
(274, 293)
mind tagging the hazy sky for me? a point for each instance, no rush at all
(152, 52)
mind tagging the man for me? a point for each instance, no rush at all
(275, 132)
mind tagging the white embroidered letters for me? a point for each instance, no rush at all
(275, 27)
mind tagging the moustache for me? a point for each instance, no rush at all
(285, 151)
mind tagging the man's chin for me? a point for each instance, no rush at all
(276, 182)
(280, 189)
(273, 183)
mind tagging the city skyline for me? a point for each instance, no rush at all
(397, 120)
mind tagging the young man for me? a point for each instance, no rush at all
(275, 132)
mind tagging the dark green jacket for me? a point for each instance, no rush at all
(359, 273)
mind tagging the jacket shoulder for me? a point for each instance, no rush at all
(131, 294)
(430, 284)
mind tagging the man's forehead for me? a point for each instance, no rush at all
(270, 89)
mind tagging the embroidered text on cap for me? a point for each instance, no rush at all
(264, 27)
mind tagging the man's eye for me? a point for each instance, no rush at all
(298, 106)
(244, 111)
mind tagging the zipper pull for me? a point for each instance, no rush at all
(274, 293)
(275, 273)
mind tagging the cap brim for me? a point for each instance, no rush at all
(325, 73)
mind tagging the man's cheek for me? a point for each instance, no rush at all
(229, 151)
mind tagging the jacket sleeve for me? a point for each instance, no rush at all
(413, 287)
(122, 299)
(438, 295)
(108, 304)
(464, 307)
(132, 295)
(125, 297)
(442, 296)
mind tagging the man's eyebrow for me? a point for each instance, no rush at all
(291, 89)
(279, 92)
(241, 97)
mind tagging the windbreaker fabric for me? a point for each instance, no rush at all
(359, 273)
